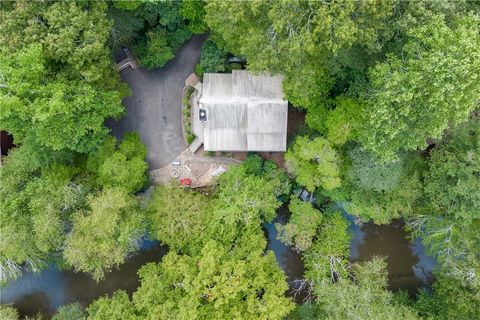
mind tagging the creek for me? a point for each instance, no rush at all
(409, 268)
(44, 292)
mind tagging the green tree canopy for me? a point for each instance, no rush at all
(123, 167)
(118, 230)
(117, 307)
(449, 299)
(32, 224)
(194, 13)
(242, 203)
(378, 191)
(434, 83)
(302, 226)
(315, 163)
(179, 218)
(327, 259)
(73, 35)
(212, 59)
(52, 110)
(449, 216)
(8, 312)
(364, 297)
(71, 311)
(165, 32)
(215, 284)
(304, 43)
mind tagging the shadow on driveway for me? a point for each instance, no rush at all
(154, 109)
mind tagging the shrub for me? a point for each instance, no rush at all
(213, 59)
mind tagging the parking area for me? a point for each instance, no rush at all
(154, 109)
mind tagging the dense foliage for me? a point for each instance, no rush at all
(155, 29)
(58, 86)
(37, 229)
(391, 95)
(216, 267)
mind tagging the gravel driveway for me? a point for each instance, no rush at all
(155, 107)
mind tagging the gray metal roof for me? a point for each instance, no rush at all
(245, 112)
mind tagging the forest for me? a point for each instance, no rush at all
(391, 95)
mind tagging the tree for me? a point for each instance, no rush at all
(126, 26)
(364, 297)
(73, 35)
(127, 5)
(118, 307)
(377, 191)
(305, 44)
(449, 299)
(452, 180)
(242, 203)
(179, 218)
(32, 225)
(417, 95)
(71, 311)
(124, 167)
(8, 313)
(315, 163)
(118, 230)
(448, 218)
(268, 169)
(194, 13)
(52, 110)
(212, 59)
(154, 52)
(165, 33)
(327, 259)
(342, 122)
(77, 35)
(302, 226)
(215, 284)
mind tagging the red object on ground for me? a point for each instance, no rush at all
(185, 182)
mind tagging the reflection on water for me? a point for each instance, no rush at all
(46, 291)
(409, 268)
(289, 260)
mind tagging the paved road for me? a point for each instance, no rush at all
(155, 107)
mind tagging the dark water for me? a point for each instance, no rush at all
(409, 268)
(289, 260)
(46, 291)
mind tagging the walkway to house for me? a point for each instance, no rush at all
(198, 169)
(154, 109)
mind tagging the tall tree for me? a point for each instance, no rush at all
(116, 307)
(380, 191)
(315, 163)
(194, 13)
(448, 220)
(123, 167)
(32, 225)
(118, 230)
(215, 284)
(58, 82)
(302, 226)
(365, 296)
(52, 110)
(179, 218)
(418, 94)
(305, 43)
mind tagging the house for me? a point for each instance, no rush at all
(241, 112)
